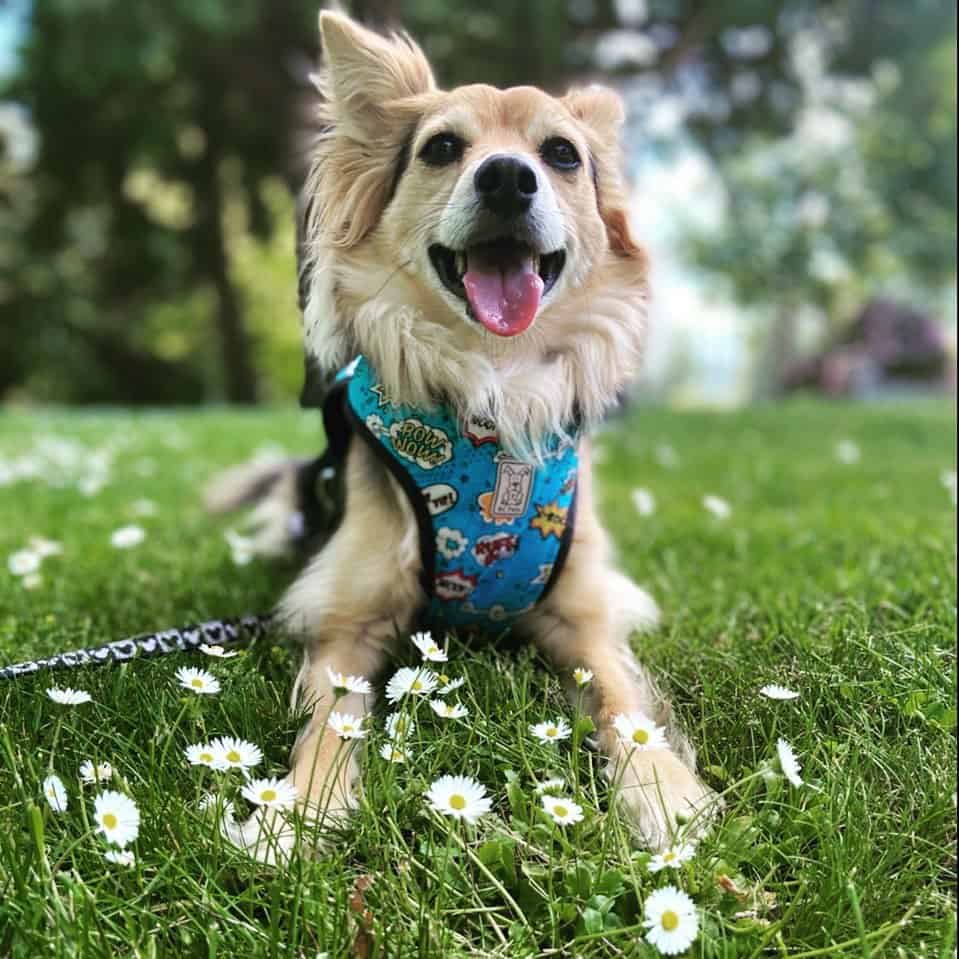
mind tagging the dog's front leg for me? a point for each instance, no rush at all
(348, 606)
(586, 621)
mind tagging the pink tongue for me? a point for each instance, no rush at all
(504, 301)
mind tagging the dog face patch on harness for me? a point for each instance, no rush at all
(494, 530)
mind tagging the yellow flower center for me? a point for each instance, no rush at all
(233, 756)
(196, 682)
(669, 920)
(443, 678)
(347, 728)
(560, 811)
(417, 686)
(551, 731)
(268, 795)
(432, 649)
(457, 802)
(110, 821)
(669, 856)
(641, 736)
(206, 757)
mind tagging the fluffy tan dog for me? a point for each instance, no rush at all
(473, 245)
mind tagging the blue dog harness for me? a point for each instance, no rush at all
(494, 531)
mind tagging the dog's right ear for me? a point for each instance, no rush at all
(366, 73)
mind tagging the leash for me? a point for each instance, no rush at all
(214, 632)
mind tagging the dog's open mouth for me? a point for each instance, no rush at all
(502, 281)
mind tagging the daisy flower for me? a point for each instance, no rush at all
(790, 764)
(31, 581)
(209, 803)
(671, 921)
(644, 501)
(56, 793)
(348, 684)
(126, 537)
(346, 726)
(201, 754)
(117, 817)
(639, 732)
(143, 507)
(273, 793)
(549, 785)
(428, 648)
(399, 725)
(68, 696)
(448, 710)
(718, 507)
(847, 452)
(772, 691)
(231, 753)
(672, 858)
(218, 651)
(562, 810)
(98, 773)
(198, 680)
(120, 857)
(448, 685)
(23, 562)
(582, 676)
(460, 797)
(44, 547)
(551, 732)
(416, 682)
(393, 754)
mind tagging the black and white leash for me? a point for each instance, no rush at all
(214, 632)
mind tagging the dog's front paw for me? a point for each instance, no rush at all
(662, 796)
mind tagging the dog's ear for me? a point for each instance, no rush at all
(371, 90)
(600, 113)
(367, 72)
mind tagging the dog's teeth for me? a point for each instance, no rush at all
(460, 263)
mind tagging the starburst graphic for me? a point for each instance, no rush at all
(550, 520)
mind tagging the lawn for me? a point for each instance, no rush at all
(833, 575)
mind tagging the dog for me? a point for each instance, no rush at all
(473, 247)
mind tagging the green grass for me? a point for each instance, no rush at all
(838, 580)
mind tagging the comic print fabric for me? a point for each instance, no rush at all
(498, 525)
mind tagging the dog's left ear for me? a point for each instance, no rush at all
(600, 113)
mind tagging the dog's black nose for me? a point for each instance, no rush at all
(506, 185)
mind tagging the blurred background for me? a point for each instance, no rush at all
(794, 164)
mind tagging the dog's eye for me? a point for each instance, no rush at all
(560, 153)
(442, 149)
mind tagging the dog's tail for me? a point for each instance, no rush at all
(295, 504)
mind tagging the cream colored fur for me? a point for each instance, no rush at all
(374, 291)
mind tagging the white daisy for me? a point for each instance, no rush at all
(201, 754)
(772, 691)
(68, 696)
(348, 684)
(428, 648)
(791, 766)
(120, 857)
(644, 501)
(393, 753)
(549, 785)
(666, 456)
(44, 547)
(582, 676)
(56, 793)
(448, 710)
(562, 810)
(117, 817)
(448, 685)
(551, 731)
(412, 681)
(847, 452)
(23, 562)
(126, 537)
(672, 858)
(143, 507)
(99, 773)
(399, 725)
(31, 581)
(459, 797)
(273, 793)
(718, 507)
(231, 753)
(217, 652)
(639, 732)
(671, 921)
(198, 680)
(346, 726)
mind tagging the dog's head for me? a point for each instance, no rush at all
(471, 241)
